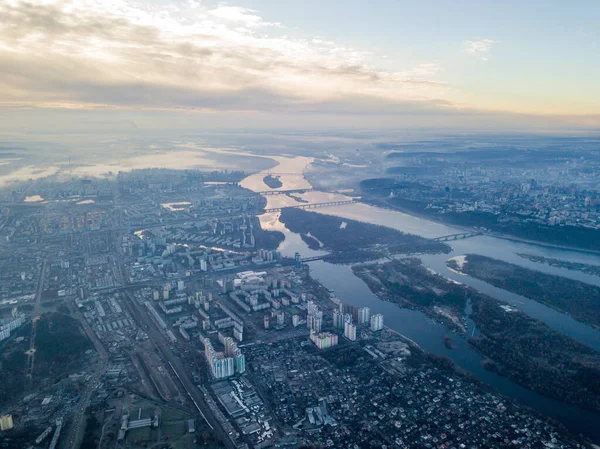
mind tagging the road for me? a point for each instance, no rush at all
(141, 316)
(36, 306)
(77, 425)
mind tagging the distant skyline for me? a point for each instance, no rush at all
(272, 63)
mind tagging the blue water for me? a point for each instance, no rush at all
(428, 334)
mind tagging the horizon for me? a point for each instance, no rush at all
(213, 65)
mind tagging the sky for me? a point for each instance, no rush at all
(481, 64)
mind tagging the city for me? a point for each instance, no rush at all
(149, 311)
(262, 224)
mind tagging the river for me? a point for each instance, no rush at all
(415, 325)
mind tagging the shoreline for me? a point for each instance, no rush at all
(472, 348)
(497, 235)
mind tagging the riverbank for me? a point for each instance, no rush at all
(407, 283)
(516, 346)
(383, 204)
(414, 324)
(593, 270)
(352, 240)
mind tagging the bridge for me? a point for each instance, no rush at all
(460, 236)
(313, 258)
(312, 205)
(284, 192)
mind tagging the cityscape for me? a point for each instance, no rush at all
(157, 307)
(262, 224)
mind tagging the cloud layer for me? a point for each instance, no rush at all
(104, 54)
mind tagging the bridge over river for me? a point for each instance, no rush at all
(285, 192)
(444, 238)
(459, 236)
(312, 205)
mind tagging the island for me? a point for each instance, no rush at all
(586, 268)
(578, 299)
(515, 345)
(273, 181)
(352, 240)
(407, 283)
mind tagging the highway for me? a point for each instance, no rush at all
(141, 316)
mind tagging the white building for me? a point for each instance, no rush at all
(377, 322)
(338, 319)
(350, 331)
(315, 322)
(324, 340)
(16, 320)
(364, 315)
(220, 365)
(314, 319)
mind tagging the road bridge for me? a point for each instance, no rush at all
(312, 205)
(459, 236)
(313, 258)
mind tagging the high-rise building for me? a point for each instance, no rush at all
(280, 318)
(323, 340)
(377, 322)
(228, 285)
(230, 345)
(238, 332)
(314, 319)
(350, 331)
(347, 309)
(364, 315)
(315, 322)
(240, 362)
(223, 365)
(338, 319)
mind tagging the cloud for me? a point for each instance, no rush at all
(109, 54)
(480, 47)
(241, 15)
